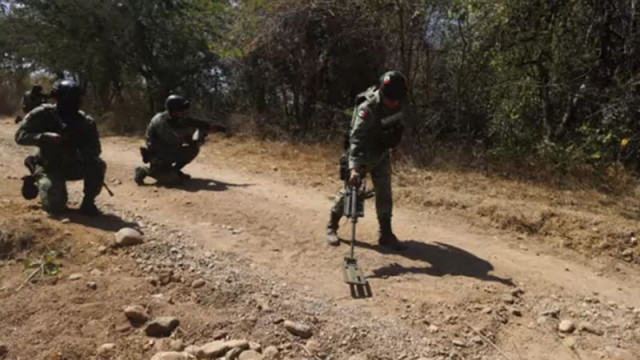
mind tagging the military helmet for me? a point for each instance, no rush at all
(66, 90)
(176, 103)
(393, 85)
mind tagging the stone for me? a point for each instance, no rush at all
(192, 350)
(172, 355)
(255, 346)
(92, 285)
(75, 277)
(459, 343)
(566, 326)
(250, 355)
(238, 344)
(233, 354)
(128, 237)
(433, 329)
(136, 314)
(161, 326)
(271, 353)
(107, 349)
(589, 328)
(517, 292)
(4, 350)
(313, 347)
(212, 350)
(298, 329)
(102, 249)
(198, 284)
(176, 345)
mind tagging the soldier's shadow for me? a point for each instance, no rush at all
(442, 259)
(106, 222)
(199, 184)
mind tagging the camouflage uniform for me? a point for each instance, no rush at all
(367, 155)
(171, 145)
(76, 158)
(372, 135)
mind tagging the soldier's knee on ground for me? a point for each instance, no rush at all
(53, 195)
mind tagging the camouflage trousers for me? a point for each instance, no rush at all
(380, 172)
(166, 161)
(52, 187)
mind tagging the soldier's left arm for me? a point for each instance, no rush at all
(91, 148)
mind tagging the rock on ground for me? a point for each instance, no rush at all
(238, 344)
(128, 237)
(250, 355)
(74, 277)
(198, 283)
(233, 354)
(298, 329)
(107, 349)
(162, 326)
(566, 326)
(589, 328)
(3, 350)
(271, 353)
(172, 355)
(212, 350)
(136, 314)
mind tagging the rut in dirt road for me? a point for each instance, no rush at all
(455, 284)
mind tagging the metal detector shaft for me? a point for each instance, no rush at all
(354, 217)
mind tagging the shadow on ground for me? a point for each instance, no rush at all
(106, 222)
(199, 184)
(443, 259)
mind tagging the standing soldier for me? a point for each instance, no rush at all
(68, 149)
(31, 100)
(376, 130)
(173, 140)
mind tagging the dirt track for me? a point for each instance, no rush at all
(450, 275)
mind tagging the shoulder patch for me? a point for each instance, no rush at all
(362, 113)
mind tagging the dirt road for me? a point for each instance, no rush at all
(454, 276)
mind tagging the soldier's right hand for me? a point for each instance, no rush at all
(51, 138)
(354, 178)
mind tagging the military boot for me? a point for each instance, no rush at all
(89, 208)
(141, 173)
(387, 239)
(332, 229)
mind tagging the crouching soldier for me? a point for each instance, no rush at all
(68, 150)
(173, 140)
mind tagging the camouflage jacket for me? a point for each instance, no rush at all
(166, 132)
(31, 101)
(366, 143)
(80, 136)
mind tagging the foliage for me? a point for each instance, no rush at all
(526, 81)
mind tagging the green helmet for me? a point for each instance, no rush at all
(393, 85)
(176, 103)
(66, 90)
